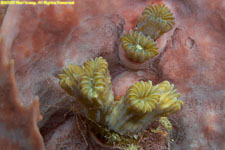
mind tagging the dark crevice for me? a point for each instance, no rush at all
(55, 121)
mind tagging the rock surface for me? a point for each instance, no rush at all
(42, 39)
(18, 124)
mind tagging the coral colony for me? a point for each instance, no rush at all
(143, 102)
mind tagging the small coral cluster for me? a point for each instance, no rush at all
(117, 119)
(140, 44)
(142, 104)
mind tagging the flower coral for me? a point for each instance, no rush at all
(139, 47)
(132, 113)
(91, 85)
(142, 104)
(155, 20)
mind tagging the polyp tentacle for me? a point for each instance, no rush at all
(138, 47)
(137, 105)
(91, 84)
(155, 20)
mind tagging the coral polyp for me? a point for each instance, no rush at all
(91, 85)
(169, 102)
(142, 97)
(95, 79)
(69, 78)
(142, 104)
(155, 20)
(136, 110)
(139, 47)
(132, 114)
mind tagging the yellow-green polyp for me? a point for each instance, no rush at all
(139, 47)
(155, 21)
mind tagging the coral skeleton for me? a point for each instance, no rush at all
(139, 47)
(142, 104)
(155, 20)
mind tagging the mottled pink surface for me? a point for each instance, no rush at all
(70, 137)
(18, 124)
(42, 39)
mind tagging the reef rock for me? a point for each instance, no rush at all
(18, 124)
